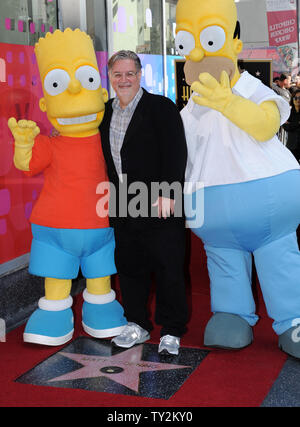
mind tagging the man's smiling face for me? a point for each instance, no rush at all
(125, 80)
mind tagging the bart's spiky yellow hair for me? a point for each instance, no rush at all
(63, 43)
(59, 36)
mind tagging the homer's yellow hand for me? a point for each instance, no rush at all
(215, 95)
(24, 132)
(259, 121)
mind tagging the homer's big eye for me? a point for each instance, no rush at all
(56, 81)
(212, 38)
(184, 42)
(89, 77)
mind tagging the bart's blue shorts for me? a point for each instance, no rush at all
(59, 253)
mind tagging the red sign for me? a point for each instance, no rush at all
(282, 27)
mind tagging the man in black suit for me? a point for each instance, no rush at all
(144, 146)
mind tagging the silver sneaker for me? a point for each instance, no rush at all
(132, 334)
(169, 344)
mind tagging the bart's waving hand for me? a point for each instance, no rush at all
(251, 181)
(24, 132)
(68, 231)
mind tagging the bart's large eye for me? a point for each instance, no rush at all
(89, 77)
(56, 81)
(212, 38)
(184, 42)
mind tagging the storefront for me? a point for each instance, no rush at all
(269, 30)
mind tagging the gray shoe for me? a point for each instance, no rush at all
(228, 331)
(169, 344)
(132, 334)
(289, 342)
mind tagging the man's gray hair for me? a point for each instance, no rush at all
(125, 54)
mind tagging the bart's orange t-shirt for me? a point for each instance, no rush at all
(72, 168)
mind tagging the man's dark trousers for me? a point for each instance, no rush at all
(160, 251)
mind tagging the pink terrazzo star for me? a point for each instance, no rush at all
(123, 368)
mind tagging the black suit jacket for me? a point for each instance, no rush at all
(154, 151)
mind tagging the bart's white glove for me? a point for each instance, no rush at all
(260, 121)
(24, 132)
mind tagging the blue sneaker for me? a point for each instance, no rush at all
(51, 324)
(102, 315)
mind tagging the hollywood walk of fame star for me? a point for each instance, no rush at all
(124, 368)
(258, 73)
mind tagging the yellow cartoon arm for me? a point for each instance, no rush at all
(260, 121)
(24, 132)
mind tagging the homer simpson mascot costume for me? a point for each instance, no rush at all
(251, 181)
(67, 231)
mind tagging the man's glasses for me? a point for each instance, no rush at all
(297, 98)
(129, 75)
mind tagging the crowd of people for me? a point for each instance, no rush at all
(290, 91)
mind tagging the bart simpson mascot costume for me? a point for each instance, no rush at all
(67, 231)
(251, 181)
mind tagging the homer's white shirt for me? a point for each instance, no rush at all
(221, 153)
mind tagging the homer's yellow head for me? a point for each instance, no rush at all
(73, 96)
(207, 34)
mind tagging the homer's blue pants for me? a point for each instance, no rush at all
(259, 217)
